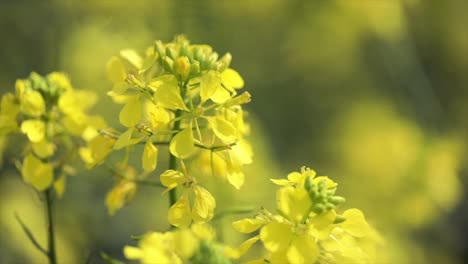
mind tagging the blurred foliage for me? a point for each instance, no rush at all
(373, 92)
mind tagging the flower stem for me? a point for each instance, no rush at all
(173, 162)
(50, 227)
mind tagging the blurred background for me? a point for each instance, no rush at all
(373, 93)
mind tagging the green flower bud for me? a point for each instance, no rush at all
(339, 219)
(195, 67)
(225, 61)
(172, 53)
(168, 64)
(159, 48)
(244, 98)
(185, 51)
(337, 200)
(198, 54)
(318, 208)
(329, 206)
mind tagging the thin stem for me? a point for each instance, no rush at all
(173, 161)
(30, 235)
(50, 227)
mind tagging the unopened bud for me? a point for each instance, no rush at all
(337, 200)
(195, 67)
(168, 64)
(339, 219)
(244, 98)
(225, 61)
(172, 53)
(182, 67)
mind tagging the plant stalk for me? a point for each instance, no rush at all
(50, 227)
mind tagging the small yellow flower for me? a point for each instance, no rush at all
(35, 172)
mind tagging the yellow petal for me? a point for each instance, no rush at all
(303, 249)
(167, 93)
(130, 114)
(98, 149)
(248, 225)
(209, 84)
(294, 203)
(204, 205)
(183, 145)
(232, 78)
(243, 248)
(179, 214)
(116, 70)
(126, 139)
(133, 252)
(59, 186)
(276, 236)
(223, 129)
(36, 173)
(236, 178)
(119, 195)
(32, 103)
(158, 116)
(60, 79)
(281, 182)
(43, 148)
(220, 96)
(150, 156)
(34, 129)
(171, 179)
(132, 57)
(74, 101)
(355, 223)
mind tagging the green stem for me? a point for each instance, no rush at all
(173, 161)
(50, 227)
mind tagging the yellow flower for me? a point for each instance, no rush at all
(35, 172)
(119, 195)
(34, 129)
(32, 103)
(97, 150)
(153, 248)
(150, 156)
(181, 214)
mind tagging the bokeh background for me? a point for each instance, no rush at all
(373, 93)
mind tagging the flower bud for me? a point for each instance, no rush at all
(337, 200)
(172, 53)
(339, 219)
(182, 67)
(195, 67)
(225, 61)
(244, 98)
(159, 48)
(168, 64)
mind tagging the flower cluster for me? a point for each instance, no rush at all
(52, 115)
(307, 228)
(184, 96)
(195, 245)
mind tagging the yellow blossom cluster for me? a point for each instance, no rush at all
(185, 97)
(52, 115)
(307, 228)
(195, 245)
